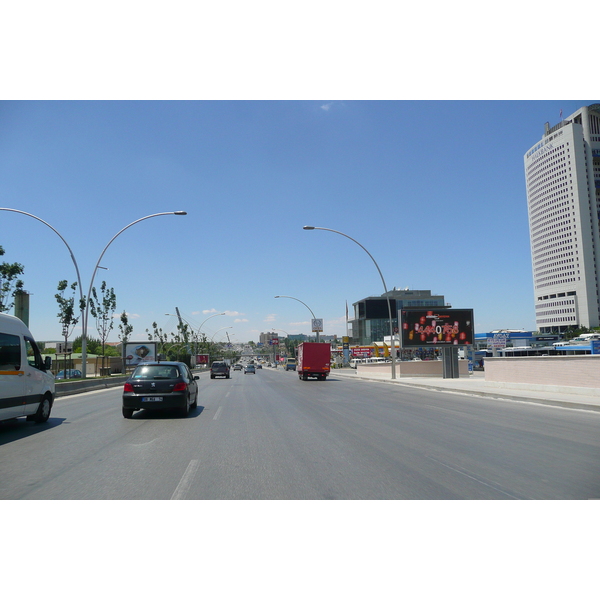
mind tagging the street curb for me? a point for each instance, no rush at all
(484, 394)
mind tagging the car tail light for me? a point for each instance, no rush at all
(180, 387)
(128, 388)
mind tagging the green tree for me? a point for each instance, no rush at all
(94, 346)
(66, 314)
(158, 334)
(10, 284)
(125, 328)
(103, 311)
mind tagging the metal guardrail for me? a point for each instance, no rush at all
(68, 388)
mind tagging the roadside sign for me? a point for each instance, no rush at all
(317, 325)
(498, 341)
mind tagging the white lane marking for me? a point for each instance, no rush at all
(217, 413)
(184, 484)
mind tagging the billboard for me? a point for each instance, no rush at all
(202, 359)
(361, 351)
(436, 327)
(135, 353)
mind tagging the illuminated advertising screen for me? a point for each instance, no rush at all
(436, 327)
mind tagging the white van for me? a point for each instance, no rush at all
(27, 387)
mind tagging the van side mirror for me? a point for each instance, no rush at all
(47, 363)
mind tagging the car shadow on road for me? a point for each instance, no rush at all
(20, 428)
(165, 414)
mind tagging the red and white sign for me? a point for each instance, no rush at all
(362, 352)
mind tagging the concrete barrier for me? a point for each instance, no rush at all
(552, 371)
(67, 388)
(410, 368)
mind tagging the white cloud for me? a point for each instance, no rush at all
(270, 318)
(326, 106)
(240, 320)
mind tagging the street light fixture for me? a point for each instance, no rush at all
(217, 331)
(87, 299)
(392, 338)
(311, 312)
(211, 316)
(68, 248)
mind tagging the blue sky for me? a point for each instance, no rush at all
(433, 189)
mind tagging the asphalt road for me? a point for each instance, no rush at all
(272, 436)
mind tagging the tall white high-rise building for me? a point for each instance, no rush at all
(562, 174)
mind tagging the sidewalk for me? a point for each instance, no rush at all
(475, 384)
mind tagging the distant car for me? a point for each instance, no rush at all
(237, 367)
(219, 369)
(250, 369)
(69, 374)
(258, 366)
(163, 385)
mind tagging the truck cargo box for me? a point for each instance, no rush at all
(314, 360)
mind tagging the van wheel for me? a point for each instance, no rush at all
(127, 412)
(43, 412)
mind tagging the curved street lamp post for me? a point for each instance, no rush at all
(392, 337)
(86, 299)
(68, 248)
(311, 312)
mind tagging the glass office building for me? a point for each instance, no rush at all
(371, 322)
(562, 173)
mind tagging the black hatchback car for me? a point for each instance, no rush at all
(160, 385)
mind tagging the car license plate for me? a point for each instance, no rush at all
(153, 399)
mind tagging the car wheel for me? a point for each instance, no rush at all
(43, 412)
(194, 404)
(127, 412)
(185, 410)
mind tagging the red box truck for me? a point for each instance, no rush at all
(314, 360)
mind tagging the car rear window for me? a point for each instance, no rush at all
(156, 372)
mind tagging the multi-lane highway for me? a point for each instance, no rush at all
(272, 436)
